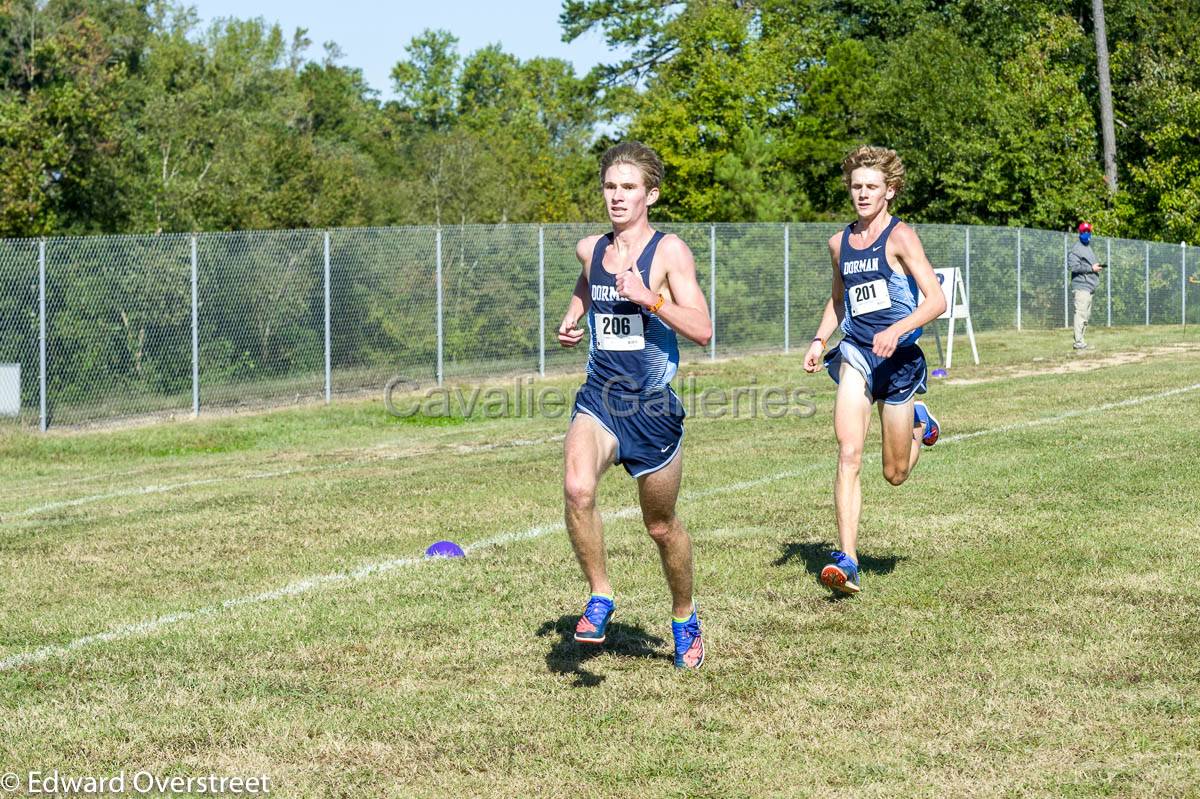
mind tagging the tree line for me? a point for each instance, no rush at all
(126, 116)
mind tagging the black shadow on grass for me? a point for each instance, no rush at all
(815, 555)
(568, 657)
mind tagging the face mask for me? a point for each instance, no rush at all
(1085, 238)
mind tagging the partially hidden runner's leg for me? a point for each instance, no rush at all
(590, 450)
(925, 425)
(657, 493)
(851, 417)
(901, 441)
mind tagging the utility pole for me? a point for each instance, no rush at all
(1106, 106)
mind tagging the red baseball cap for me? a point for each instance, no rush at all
(1085, 227)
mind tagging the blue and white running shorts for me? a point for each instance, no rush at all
(648, 427)
(892, 380)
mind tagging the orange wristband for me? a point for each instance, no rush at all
(654, 308)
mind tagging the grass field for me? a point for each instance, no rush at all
(244, 597)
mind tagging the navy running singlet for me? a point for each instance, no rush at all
(631, 349)
(876, 296)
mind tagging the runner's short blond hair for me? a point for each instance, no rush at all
(881, 158)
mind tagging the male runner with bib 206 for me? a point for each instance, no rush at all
(638, 288)
(878, 265)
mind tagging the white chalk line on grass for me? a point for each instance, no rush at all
(463, 449)
(1110, 406)
(310, 584)
(135, 492)
(459, 449)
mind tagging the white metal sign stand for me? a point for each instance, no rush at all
(958, 307)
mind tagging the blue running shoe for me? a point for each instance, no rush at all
(841, 576)
(923, 417)
(689, 644)
(593, 623)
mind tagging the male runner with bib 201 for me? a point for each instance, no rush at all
(878, 265)
(638, 288)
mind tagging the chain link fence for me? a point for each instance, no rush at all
(108, 327)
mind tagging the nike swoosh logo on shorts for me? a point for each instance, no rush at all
(664, 449)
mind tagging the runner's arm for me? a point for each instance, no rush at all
(835, 309)
(912, 255)
(569, 332)
(684, 308)
(831, 317)
(577, 307)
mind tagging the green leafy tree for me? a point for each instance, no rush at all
(750, 105)
(426, 82)
(58, 117)
(1156, 86)
(490, 138)
(980, 148)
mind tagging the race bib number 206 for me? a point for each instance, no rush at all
(620, 332)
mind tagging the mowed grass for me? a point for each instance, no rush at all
(1030, 624)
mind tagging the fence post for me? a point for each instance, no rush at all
(1018, 278)
(195, 331)
(541, 300)
(1147, 284)
(1066, 283)
(43, 419)
(712, 289)
(967, 263)
(787, 267)
(1108, 276)
(438, 284)
(328, 337)
(1182, 283)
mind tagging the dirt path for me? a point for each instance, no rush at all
(1076, 366)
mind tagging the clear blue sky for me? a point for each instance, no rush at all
(373, 35)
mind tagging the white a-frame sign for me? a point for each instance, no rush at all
(958, 306)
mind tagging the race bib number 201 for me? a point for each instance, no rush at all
(868, 297)
(620, 332)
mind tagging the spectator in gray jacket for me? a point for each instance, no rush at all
(1085, 276)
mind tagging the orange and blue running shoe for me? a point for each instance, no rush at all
(689, 643)
(593, 624)
(841, 576)
(924, 418)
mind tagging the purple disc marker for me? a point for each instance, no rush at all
(444, 549)
(940, 372)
